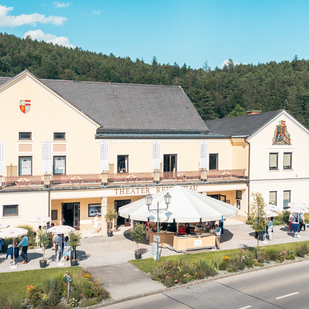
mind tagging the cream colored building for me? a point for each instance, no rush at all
(72, 149)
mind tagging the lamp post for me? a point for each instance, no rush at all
(158, 210)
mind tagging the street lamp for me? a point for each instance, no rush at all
(158, 210)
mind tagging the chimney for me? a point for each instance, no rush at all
(253, 112)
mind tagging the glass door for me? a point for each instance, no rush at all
(76, 222)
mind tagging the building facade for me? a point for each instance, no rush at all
(72, 149)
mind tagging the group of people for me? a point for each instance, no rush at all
(59, 243)
(184, 228)
(297, 223)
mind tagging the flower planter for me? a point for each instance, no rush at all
(74, 263)
(43, 263)
(110, 234)
(138, 255)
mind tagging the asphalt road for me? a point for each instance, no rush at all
(285, 286)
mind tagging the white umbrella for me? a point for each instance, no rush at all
(272, 207)
(38, 219)
(4, 225)
(185, 206)
(298, 209)
(61, 229)
(298, 204)
(270, 213)
(11, 233)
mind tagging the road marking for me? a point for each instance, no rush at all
(245, 307)
(287, 295)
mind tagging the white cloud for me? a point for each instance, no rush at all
(96, 12)
(23, 19)
(49, 38)
(61, 4)
(226, 62)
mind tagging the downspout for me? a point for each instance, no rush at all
(249, 155)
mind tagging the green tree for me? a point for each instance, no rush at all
(237, 111)
(257, 216)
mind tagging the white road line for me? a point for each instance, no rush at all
(245, 307)
(287, 295)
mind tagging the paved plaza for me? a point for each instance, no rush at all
(106, 257)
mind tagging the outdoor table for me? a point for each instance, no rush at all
(295, 227)
(10, 252)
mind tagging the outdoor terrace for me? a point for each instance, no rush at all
(122, 179)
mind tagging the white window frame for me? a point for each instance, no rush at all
(278, 161)
(291, 196)
(25, 154)
(10, 204)
(66, 163)
(129, 162)
(25, 140)
(277, 196)
(292, 159)
(60, 140)
(218, 159)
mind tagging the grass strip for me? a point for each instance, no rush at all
(16, 282)
(147, 265)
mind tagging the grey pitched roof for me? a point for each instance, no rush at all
(131, 106)
(240, 125)
(118, 106)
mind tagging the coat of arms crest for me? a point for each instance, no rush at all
(282, 136)
(25, 106)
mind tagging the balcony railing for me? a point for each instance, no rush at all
(123, 178)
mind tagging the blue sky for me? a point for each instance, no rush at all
(191, 32)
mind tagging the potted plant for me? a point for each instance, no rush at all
(75, 238)
(138, 233)
(110, 216)
(45, 239)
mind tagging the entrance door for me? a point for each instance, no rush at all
(219, 197)
(121, 220)
(71, 214)
(170, 163)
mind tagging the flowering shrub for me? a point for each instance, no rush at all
(181, 271)
(282, 255)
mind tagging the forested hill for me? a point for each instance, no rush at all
(215, 93)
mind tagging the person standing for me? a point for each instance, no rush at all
(95, 224)
(37, 237)
(291, 219)
(57, 241)
(24, 244)
(147, 227)
(217, 232)
(270, 226)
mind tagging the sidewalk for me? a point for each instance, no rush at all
(106, 257)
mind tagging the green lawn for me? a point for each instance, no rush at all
(147, 265)
(16, 282)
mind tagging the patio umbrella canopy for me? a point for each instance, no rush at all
(186, 206)
(61, 229)
(38, 219)
(13, 232)
(4, 225)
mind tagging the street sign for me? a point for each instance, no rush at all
(156, 238)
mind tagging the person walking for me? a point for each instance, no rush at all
(24, 244)
(217, 233)
(37, 237)
(95, 224)
(291, 219)
(302, 221)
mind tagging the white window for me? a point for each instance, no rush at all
(10, 210)
(25, 136)
(59, 136)
(273, 198)
(25, 166)
(286, 198)
(59, 165)
(273, 161)
(287, 161)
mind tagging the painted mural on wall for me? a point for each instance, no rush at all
(25, 106)
(282, 136)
